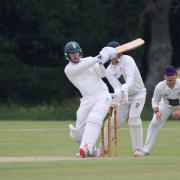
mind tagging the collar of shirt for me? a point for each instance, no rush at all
(175, 87)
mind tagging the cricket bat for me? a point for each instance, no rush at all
(129, 46)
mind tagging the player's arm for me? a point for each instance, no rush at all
(104, 55)
(155, 102)
(156, 96)
(114, 82)
(130, 67)
(100, 70)
(121, 91)
(75, 69)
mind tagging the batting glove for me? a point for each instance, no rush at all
(106, 54)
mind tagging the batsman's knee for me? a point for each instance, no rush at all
(95, 119)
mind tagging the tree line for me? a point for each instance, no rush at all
(33, 34)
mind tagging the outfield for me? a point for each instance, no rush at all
(35, 150)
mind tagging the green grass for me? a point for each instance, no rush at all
(125, 169)
(51, 138)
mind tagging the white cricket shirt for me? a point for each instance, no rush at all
(126, 70)
(166, 95)
(86, 76)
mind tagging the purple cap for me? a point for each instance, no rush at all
(170, 70)
(113, 44)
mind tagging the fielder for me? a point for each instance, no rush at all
(85, 74)
(165, 101)
(130, 94)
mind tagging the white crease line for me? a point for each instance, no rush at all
(62, 158)
(65, 129)
(24, 130)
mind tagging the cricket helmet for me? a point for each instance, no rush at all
(72, 47)
(113, 44)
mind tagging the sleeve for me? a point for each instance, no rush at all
(130, 68)
(112, 79)
(77, 68)
(156, 96)
(100, 70)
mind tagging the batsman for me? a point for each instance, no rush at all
(86, 75)
(129, 95)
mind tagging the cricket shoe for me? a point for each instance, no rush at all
(146, 153)
(86, 152)
(82, 153)
(138, 153)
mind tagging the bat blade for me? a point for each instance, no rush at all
(129, 46)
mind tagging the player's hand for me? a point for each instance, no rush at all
(121, 97)
(106, 54)
(115, 101)
(176, 114)
(158, 115)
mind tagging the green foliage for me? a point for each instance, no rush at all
(32, 38)
(30, 83)
(52, 111)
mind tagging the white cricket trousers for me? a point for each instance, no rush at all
(155, 126)
(90, 115)
(130, 111)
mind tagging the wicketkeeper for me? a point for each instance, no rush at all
(130, 94)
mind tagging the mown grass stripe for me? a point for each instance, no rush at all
(65, 129)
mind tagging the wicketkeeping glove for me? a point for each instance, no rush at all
(121, 95)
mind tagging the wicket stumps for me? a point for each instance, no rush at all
(112, 110)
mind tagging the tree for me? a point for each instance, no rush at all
(160, 49)
(33, 34)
